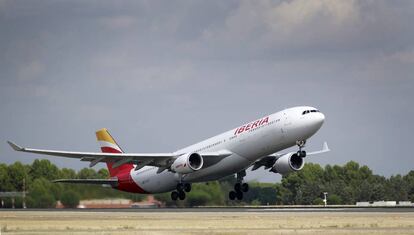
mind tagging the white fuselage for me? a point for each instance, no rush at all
(248, 143)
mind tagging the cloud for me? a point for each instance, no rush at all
(305, 20)
(301, 12)
(30, 71)
(406, 56)
(124, 70)
(208, 66)
(287, 23)
(119, 22)
(297, 28)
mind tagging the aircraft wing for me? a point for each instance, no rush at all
(163, 160)
(325, 149)
(269, 161)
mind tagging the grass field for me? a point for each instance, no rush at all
(73, 222)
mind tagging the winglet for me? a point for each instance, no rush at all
(15, 146)
(325, 147)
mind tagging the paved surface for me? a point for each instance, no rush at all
(214, 221)
(239, 209)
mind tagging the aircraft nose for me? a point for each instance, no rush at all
(319, 119)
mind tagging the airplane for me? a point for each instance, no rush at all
(253, 144)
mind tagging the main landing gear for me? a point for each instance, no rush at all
(180, 193)
(239, 187)
(301, 144)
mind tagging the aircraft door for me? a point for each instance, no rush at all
(284, 126)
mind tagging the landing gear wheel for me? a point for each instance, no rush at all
(180, 187)
(174, 196)
(237, 187)
(187, 187)
(181, 195)
(301, 154)
(232, 195)
(239, 195)
(244, 187)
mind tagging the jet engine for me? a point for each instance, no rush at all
(287, 163)
(187, 163)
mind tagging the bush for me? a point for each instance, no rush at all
(70, 199)
(198, 198)
(40, 195)
(318, 201)
(334, 199)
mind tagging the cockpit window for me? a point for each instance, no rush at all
(310, 111)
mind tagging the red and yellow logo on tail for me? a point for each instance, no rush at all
(107, 142)
(122, 172)
(109, 145)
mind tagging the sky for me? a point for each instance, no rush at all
(161, 75)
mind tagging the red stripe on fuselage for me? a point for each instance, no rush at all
(123, 173)
(127, 184)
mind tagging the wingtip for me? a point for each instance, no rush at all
(325, 146)
(15, 146)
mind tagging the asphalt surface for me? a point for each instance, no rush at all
(239, 209)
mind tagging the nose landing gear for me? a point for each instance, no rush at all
(239, 187)
(301, 144)
(180, 193)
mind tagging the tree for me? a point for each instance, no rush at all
(66, 173)
(43, 168)
(396, 188)
(103, 173)
(17, 172)
(212, 189)
(5, 181)
(70, 199)
(40, 195)
(88, 173)
(409, 179)
(264, 193)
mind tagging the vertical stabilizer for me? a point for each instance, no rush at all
(109, 145)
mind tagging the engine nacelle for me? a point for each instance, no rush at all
(289, 162)
(187, 163)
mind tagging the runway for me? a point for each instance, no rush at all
(216, 221)
(236, 209)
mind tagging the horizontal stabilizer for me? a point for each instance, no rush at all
(112, 182)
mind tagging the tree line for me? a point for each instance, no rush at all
(42, 193)
(345, 184)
